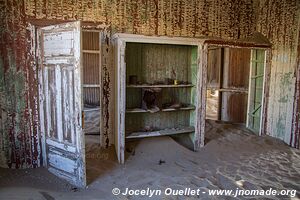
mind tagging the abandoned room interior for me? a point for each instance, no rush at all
(163, 99)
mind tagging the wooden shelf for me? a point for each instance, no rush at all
(160, 86)
(91, 85)
(172, 131)
(140, 110)
(91, 51)
(136, 110)
(233, 90)
(178, 109)
(91, 109)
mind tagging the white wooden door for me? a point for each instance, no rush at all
(60, 101)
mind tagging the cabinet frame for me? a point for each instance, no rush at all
(119, 44)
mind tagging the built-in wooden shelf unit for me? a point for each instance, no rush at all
(165, 96)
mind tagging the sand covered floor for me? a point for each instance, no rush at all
(232, 158)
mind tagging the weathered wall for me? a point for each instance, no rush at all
(228, 19)
(279, 22)
(18, 95)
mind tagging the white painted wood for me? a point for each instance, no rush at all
(119, 41)
(161, 132)
(61, 72)
(91, 51)
(42, 105)
(251, 79)
(72, 114)
(201, 97)
(160, 86)
(263, 97)
(47, 102)
(91, 85)
(158, 39)
(100, 87)
(121, 100)
(58, 102)
(61, 145)
(249, 91)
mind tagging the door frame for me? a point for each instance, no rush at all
(93, 29)
(261, 125)
(267, 69)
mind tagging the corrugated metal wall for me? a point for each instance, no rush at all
(91, 67)
(229, 19)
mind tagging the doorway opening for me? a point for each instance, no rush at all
(235, 86)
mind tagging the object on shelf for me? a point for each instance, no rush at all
(148, 129)
(153, 109)
(150, 99)
(168, 81)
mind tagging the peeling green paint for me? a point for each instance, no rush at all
(280, 128)
(286, 79)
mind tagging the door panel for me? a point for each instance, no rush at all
(235, 84)
(60, 56)
(255, 99)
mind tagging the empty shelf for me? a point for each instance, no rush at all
(171, 131)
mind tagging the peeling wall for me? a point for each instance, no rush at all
(279, 21)
(228, 19)
(19, 143)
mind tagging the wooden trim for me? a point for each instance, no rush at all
(249, 92)
(201, 97)
(91, 51)
(263, 96)
(192, 41)
(42, 120)
(237, 90)
(160, 86)
(100, 87)
(158, 39)
(221, 84)
(237, 44)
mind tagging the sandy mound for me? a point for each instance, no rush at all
(232, 158)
